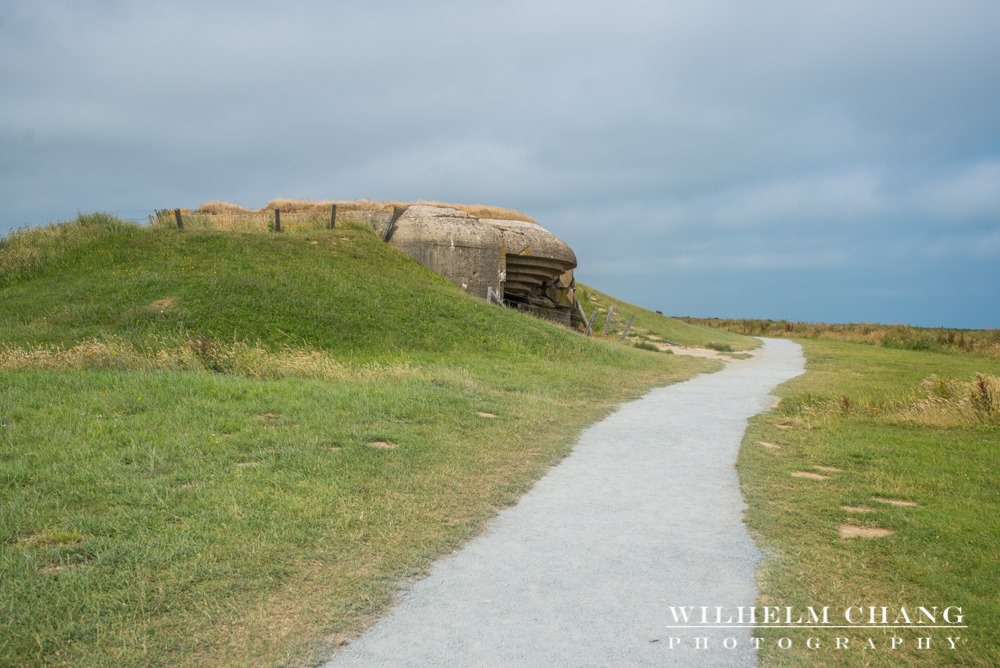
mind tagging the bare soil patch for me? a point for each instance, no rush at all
(51, 539)
(895, 502)
(161, 305)
(857, 509)
(769, 446)
(383, 445)
(852, 531)
(486, 415)
(829, 469)
(684, 350)
(808, 475)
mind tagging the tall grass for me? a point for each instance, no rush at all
(901, 337)
(26, 250)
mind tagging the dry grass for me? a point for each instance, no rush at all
(903, 337)
(301, 206)
(198, 354)
(218, 208)
(951, 402)
(486, 211)
(941, 402)
(230, 216)
(297, 214)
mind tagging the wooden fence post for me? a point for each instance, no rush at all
(277, 220)
(177, 217)
(590, 323)
(583, 314)
(607, 321)
(629, 326)
(333, 216)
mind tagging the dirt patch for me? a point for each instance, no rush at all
(684, 350)
(383, 445)
(895, 502)
(272, 419)
(486, 415)
(769, 446)
(51, 539)
(161, 305)
(808, 475)
(828, 469)
(857, 509)
(67, 563)
(785, 427)
(51, 569)
(247, 465)
(852, 531)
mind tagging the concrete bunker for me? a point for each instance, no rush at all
(525, 265)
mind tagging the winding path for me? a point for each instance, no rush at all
(645, 514)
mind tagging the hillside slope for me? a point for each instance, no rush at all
(341, 291)
(226, 449)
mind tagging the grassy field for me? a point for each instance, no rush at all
(890, 439)
(983, 342)
(228, 449)
(651, 328)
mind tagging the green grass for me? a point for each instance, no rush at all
(982, 342)
(650, 327)
(866, 411)
(190, 430)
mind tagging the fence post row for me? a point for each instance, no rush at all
(177, 217)
(607, 321)
(277, 220)
(590, 323)
(629, 326)
(333, 216)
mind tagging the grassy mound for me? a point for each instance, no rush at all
(342, 291)
(226, 449)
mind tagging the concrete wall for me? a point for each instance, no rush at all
(524, 262)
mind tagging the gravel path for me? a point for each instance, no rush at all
(645, 514)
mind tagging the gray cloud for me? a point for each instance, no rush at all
(752, 152)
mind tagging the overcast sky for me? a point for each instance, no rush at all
(829, 161)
